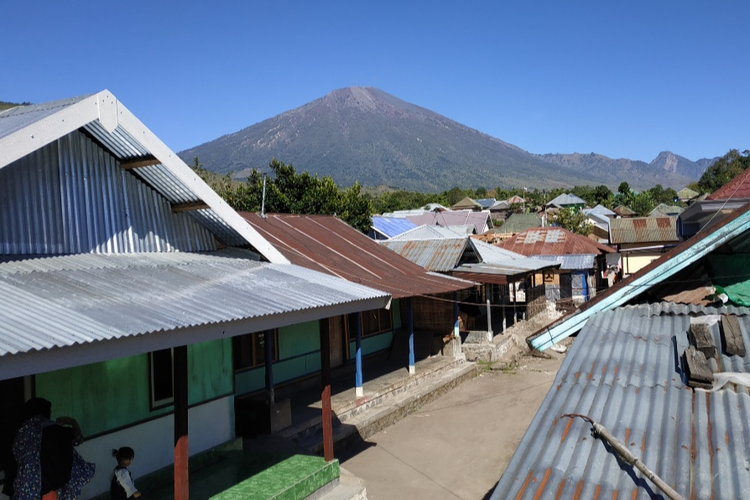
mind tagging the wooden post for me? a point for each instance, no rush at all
(268, 341)
(325, 397)
(181, 483)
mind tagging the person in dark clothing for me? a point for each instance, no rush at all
(44, 455)
(122, 486)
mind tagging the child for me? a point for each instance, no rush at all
(122, 486)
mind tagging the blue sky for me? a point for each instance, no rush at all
(623, 79)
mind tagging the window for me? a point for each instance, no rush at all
(161, 367)
(376, 321)
(250, 350)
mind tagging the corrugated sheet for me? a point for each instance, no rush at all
(565, 200)
(71, 197)
(122, 145)
(325, 243)
(624, 372)
(737, 188)
(480, 220)
(15, 119)
(552, 241)
(571, 262)
(493, 254)
(430, 232)
(434, 255)
(391, 226)
(643, 230)
(79, 299)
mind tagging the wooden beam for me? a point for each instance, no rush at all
(700, 337)
(732, 336)
(141, 161)
(698, 371)
(188, 207)
(325, 396)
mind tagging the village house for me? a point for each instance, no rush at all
(640, 240)
(124, 279)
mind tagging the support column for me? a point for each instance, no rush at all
(412, 363)
(489, 322)
(359, 390)
(180, 373)
(456, 328)
(268, 340)
(325, 397)
(515, 302)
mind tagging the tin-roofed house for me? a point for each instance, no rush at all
(583, 262)
(660, 367)
(640, 240)
(123, 279)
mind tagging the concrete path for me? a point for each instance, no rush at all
(457, 446)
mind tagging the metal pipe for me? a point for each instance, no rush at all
(600, 431)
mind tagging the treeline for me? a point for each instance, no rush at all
(290, 192)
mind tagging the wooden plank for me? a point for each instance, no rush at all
(187, 207)
(141, 161)
(731, 336)
(696, 366)
(700, 337)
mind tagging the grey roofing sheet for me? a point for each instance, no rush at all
(624, 372)
(439, 255)
(571, 262)
(501, 258)
(430, 232)
(77, 299)
(14, 119)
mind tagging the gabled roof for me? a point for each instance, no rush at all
(429, 232)
(480, 220)
(552, 241)
(391, 226)
(566, 200)
(643, 230)
(500, 205)
(515, 199)
(438, 255)
(686, 194)
(739, 187)
(659, 270)
(327, 244)
(520, 222)
(625, 371)
(599, 209)
(57, 310)
(486, 203)
(25, 129)
(623, 211)
(466, 203)
(664, 210)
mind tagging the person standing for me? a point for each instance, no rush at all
(122, 486)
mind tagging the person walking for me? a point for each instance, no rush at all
(122, 486)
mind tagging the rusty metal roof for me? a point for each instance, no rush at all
(552, 241)
(624, 371)
(440, 256)
(643, 230)
(326, 243)
(739, 187)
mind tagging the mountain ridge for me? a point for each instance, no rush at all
(365, 135)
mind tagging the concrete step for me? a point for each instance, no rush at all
(375, 418)
(348, 487)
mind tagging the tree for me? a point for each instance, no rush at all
(623, 188)
(642, 204)
(723, 171)
(573, 220)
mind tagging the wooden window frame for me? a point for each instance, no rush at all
(381, 327)
(244, 353)
(164, 402)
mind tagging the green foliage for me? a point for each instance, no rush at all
(573, 220)
(663, 195)
(291, 193)
(623, 188)
(642, 204)
(723, 171)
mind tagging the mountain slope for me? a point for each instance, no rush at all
(364, 134)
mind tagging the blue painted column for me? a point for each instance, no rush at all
(268, 341)
(412, 363)
(359, 390)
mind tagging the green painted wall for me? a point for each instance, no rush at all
(113, 394)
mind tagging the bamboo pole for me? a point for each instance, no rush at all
(600, 431)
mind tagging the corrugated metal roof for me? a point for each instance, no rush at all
(429, 232)
(434, 255)
(493, 254)
(391, 226)
(79, 299)
(480, 220)
(739, 187)
(27, 129)
(643, 230)
(624, 371)
(519, 222)
(327, 244)
(552, 241)
(599, 209)
(577, 262)
(565, 200)
(486, 202)
(664, 210)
